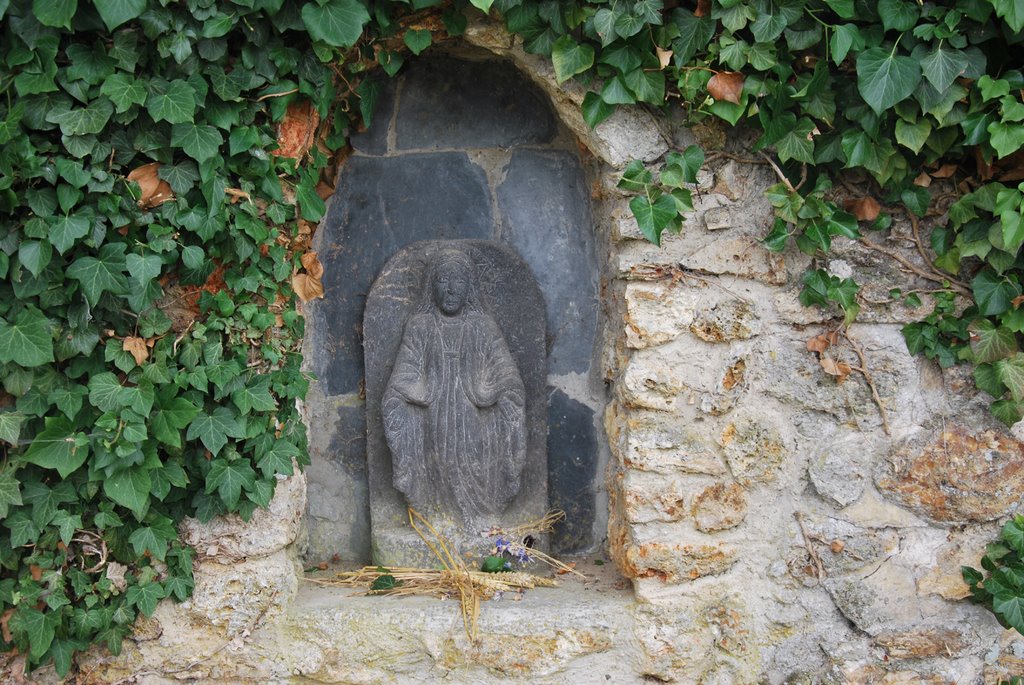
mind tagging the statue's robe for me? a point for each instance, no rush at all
(454, 416)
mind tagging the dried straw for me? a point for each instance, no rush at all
(455, 578)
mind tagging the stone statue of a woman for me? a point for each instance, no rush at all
(453, 409)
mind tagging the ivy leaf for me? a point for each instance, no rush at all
(570, 58)
(200, 142)
(56, 447)
(336, 22)
(1012, 12)
(10, 493)
(847, 37)
(106, 393)
(101, 274)
(884, 78)
(149, 539)
(653, 217)
(66, 230)
(913, 136)
(10, 427)
(1011, 373)
(124, 91)
(417, 40)
(55, 13)
(694, 34)
(82, 121)
(143, 268)
(942, 66)
(1013, 535)
(482, 5)
(173, 102)
(278, 459)
(130, 488)
(146, 597)
(36, 626)
(228, 478)
(27, 342)
(256, 396)
(993, 292)
(215, 429)
(595, 110)
(990, 343)
(116, 12)
(986, 377)
(1010, 607)
(797, 143)
(1005, 138)
(898, 15)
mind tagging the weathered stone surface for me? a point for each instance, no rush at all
(544, 215)
(629, 133)
(229, 538)
(944, 578)
(663, 444)
(684, 372)
(551, 635)
(447, 323)
(652, 497)
(659, 311)
(872, 511)
(878, 601)
(677, 563)
(754, 450)
(240, 595)
(738, 256)
(381, 205)
(958, 476)
(845, 548)
(925, 642)
(720, 506)
(447, 103)
(841, 466)
(572, 467)
(726, 321)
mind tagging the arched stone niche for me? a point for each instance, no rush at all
(461, 146)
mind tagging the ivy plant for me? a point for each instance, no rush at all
(153, 245)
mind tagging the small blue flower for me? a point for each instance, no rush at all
(502, 545)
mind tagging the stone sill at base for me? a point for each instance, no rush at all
(576, 632)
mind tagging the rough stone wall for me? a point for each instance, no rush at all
(775, 526)
(774, 531)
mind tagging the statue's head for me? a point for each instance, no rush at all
(452, 282)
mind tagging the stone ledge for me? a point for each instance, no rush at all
(577, 632)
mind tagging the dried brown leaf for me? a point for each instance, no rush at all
(664, 57)
(153, 190)
(818, 343)
(5, 630)
(726, 85)
(311, 263)
(137, 348)
(703, 8)
(923, 180)
(307, 287)
(297, 130)
(945, 171)
(1017, 301)
(833, 368)
(864, 208)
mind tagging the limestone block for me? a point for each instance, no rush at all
(687, 371)
(841, 466)
(964, 548)
(652, 497)
(229, 538)
(871, 511)
(664, 444)
(720, 506)
(754, 449)
(239, 595)
(678, 563)
(1006, 659)
(959, 475)
(726, 321)
(879, 600)
(659, 311)
(927, 641)
(737, 253)
(847, 548)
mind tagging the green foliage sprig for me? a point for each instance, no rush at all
(1001, 586)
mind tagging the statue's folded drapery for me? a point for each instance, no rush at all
(454, 415)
